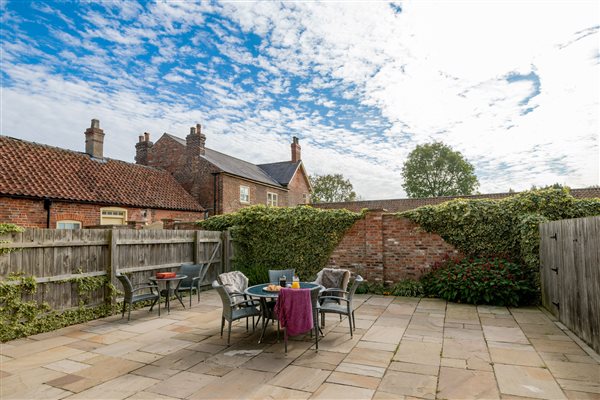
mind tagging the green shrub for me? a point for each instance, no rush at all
(406, 287)
(480, 281)
(266, 238)
(506, 228)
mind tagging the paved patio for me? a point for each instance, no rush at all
(403, 348)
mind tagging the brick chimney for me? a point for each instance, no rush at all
(94, 140)
(296, 155)
(142, 148)
(195, 142)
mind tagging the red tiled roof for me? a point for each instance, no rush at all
(35, 170)
(398, 205)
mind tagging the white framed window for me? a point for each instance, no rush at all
(244, 194)
(272, 199)
(68, 224)
(306, 198)
(113, 216)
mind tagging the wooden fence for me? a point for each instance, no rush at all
(570, 275)
(54, 257)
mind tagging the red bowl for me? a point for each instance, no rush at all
(163, 275)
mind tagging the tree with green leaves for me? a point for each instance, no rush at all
(434, 169)
(331, 188)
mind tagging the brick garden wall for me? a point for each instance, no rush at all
(384, 248)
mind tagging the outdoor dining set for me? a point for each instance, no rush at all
(297, 307)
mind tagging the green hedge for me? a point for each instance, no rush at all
(266, 238)
(506, 228)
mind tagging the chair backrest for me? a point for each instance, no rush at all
(127, 286)
(274, 275)
(225, 299)
(357, 281)
(191, 271)
(234, 281)
(333, 278)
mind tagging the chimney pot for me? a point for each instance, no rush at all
(146, 137)
(141, 137)
(198, 129)
(95, 123)
(192, 131)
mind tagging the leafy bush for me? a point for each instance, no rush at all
(407, 287)
(266, 238)
(505, 228)
(480, 281)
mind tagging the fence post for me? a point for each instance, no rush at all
(196, 247)
(112, 267)
(225, 251)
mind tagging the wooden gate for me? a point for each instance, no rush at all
(570, 275)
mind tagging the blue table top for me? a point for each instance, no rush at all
(257, 290)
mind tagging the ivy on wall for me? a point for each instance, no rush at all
(507, 227)
(266, 238)
(22, 315)
(6, 229)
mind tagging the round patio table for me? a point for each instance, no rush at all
(264, 295)
(167, 292)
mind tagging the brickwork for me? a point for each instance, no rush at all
(30, 213)
(230, 190)
(167, 154)
(384, 248)
(197, 175)
(298, 189)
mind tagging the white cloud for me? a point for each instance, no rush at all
(436, 71)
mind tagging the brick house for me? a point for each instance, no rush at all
(222, 183)
(49, 187)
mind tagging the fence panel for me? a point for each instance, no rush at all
(570, 275)
(55, 256)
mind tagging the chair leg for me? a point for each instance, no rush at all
(229, 333)
(129, 314)
(284, 338)
(222, 325)
(152, 305)
(198, 291)
(124, 305)
(353, 320)
(190, 297)
(349, 323)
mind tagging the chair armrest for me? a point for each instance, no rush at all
(248, 302)
(336, 290)
(141, 287)
(334, 298)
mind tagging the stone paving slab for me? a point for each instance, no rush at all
(402, 348)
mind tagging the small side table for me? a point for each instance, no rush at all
(168, 290)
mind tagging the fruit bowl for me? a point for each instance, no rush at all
(165, 275)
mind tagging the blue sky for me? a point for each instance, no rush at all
(513, 86)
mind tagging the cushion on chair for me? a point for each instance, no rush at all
(234, 281)
(334, 278)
